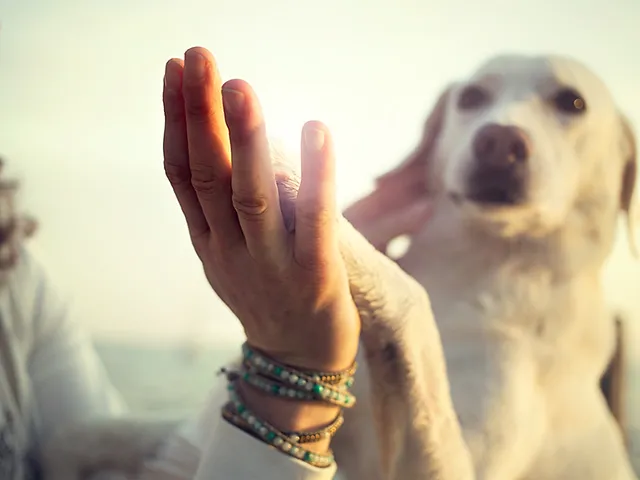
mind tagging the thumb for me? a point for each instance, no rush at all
(315, 210)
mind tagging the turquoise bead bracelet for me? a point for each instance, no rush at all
(322, 434)
(298, 437)
(263, 362)
(273, 439)
(309, 390)
(236, 413)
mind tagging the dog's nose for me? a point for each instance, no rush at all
(500, 172)
(501, 145)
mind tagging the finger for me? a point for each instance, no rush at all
(176, 150)
(209, 152)
(255, 194)
(316, 211)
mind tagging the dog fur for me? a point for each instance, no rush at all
(494, 374)
(515, 291)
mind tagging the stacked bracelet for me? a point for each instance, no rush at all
(322, 434)
(309, 390)
(265, 374)
(236, 413)
(298, 437)
(278, 379)
(265, 364)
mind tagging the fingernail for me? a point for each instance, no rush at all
(171, 77)
(233, 101)
(314, 139)
(195, 66)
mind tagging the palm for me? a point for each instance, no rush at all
(287, 286)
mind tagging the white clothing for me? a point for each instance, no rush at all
(50, 375)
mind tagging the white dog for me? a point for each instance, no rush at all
(528, 163)
(494, 375)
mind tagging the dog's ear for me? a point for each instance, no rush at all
(627, 205)
(406, 181)
(411, 173)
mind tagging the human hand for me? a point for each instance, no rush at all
(288, 289)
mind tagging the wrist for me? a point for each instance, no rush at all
(317, 356)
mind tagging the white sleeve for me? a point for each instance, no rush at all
(208, 448)
(69, 382)
(235, 454)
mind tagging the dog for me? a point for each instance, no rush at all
(483, 345)
(528, 164)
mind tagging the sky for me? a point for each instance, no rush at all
(81, 121)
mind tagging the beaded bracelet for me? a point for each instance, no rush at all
(299, 437)
(309, 390)
(322, 434)
(236, 413)
(273, 439)
(260, 360)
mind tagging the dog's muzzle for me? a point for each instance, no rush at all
(500, 171)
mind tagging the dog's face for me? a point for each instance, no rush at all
(523, 143)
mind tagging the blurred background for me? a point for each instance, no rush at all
(81, 124)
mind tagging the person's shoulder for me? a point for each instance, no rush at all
(28, 273)
(27, 296)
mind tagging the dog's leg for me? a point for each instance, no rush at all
(418, 433)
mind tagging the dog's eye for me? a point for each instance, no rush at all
(569, 101)
(472, 97)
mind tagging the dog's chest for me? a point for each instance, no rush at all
(508, 332)
(484, 309)
(466, 303)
